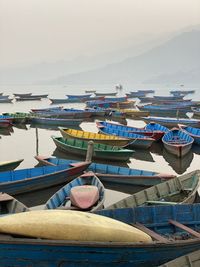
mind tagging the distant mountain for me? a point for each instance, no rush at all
(119, 50)
(176, 59)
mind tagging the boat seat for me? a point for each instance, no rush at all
(153, 234)
(155, 202)
(185, 228)
(178, 141)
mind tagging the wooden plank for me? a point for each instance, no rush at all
(5, 197)
(185, 228)
(153, 234)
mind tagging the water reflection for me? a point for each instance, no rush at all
(6, 131)
(21, 126)
(50, 127)
(144, 155)
(179, 165)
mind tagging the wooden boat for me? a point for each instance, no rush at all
(135, 94)
(79, 96)
(95, 137)
(5, 123)
(171, 122)
(179, 221)
(18, 117)
(41, 96)
(90, 91)
(39, 110)
(4, 97)
(193, 132)
(196, 111)
(147, 91)
(10, 205)
(22, 95)
(152, 126)
(134, 112)
(9, 165)
(66, 113)
(182, 92)
(101, 151)
(27, 98)
(188, 260)
(156, 134)
(135, 140)
(27, 180)
(170, 110)
(179, 190)
(168, 97)
(115, 174)
(6, 100)
(106, 94)
(62, 100)
(116, 99)
(87, 200)
(177, 142)
(54, 121)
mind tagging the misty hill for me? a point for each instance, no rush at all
(176, 60)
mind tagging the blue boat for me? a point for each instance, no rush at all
(27, 180)
(135, 94)
(136, 140)
(171, 122)
(61, 199)
(177, 142)
(116, 99)
(152, 126)
(155, 134)
(193, 132)
(174, 231)
(79, 96)
(115, 174)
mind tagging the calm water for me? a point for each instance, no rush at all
(20, 142)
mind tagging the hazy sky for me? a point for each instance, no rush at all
(47, 30)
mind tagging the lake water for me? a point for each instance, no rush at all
(21, 142)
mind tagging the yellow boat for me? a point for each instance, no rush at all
(134, 112)
(95, 137)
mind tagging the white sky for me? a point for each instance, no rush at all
(46, 30)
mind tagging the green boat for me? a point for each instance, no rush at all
(9, 165)
(101, 151)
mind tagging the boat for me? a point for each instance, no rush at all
(196, 111)
(188, 260)
(85, 193)
(95, 137)
(135, 140)
(90, 91)
(116, 99)
(135, 94)
(54, 121)
(156, 97)
(106, 94)
(134, 112)
(147, 91)
(22, 95)
(66, 113)
(155, 134)
(115, 174)
(152, 126)
(193, 132)
(26, 180)
(4, 97)
(179, 190)
(10, 164)
(171, 122)
(170, 110)
(173, 235)
(62, 100)
(10, 205)
(39, 110)
(34, 96)
(182, 92)
(6, 100)
(79, 96)
(100, 151)
(5, 123)
(27, 98)
(177, 142)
